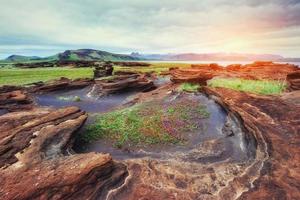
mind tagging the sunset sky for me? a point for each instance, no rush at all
(43, 28)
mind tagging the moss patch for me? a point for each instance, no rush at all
(156, 122)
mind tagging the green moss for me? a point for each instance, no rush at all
(264, 87)
(189, 87)
(149, 123)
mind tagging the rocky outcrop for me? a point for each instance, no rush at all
(257, 71)
(102, 70)
(35, 163)
(119, 83)
(60, 84)
(293, 80)
(274, 121)
(272, 174)
(15, 98)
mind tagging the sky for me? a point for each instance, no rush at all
(43, 28)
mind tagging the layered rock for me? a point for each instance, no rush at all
(293, 80)
(60, 84)
(15, 98)
(258, 70)
(35, 163)
(272, 174)
(274, 121)
(119, 83)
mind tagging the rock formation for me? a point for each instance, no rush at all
(35, 163)
(15, 98)
(293, 80)
(60, 84)
(119, 83)
(272, 174)
(257, 70)
(103, 69)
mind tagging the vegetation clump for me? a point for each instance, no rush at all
(265, 87)
(189, 87)
(70, 98)
(156, 122)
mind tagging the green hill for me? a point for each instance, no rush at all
(73, 55)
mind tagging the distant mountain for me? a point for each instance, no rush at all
(73, 55)
(212, 57)
(97, 55)
(17, 58)
(91, 54)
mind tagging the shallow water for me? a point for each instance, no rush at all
(3, 111)
(86, 103)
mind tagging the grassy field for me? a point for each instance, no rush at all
(15, 76)
(264, 87)
(149, 123)
(155, 67)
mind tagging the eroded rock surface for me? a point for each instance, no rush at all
(60, 84)
(121, 83)
(293, 80)
(35, 163)
(274, 121)
(272, 174)
(15, 98)
(257, 70)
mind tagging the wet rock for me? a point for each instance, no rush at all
(293, 80)
(35, 163)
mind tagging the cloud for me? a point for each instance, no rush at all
(150, 26)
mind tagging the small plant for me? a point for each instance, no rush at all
(189, 87)
(265, 87)
(70, 98)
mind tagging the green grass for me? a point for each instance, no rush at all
(264, 87)
(149, 123)
(154, 67)
(16, 76)
(189, 87)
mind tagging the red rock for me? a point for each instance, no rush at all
(293, 80)
(61, 84)
(15, 100)
(258, 70)
(35, 163)
(119, 83)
